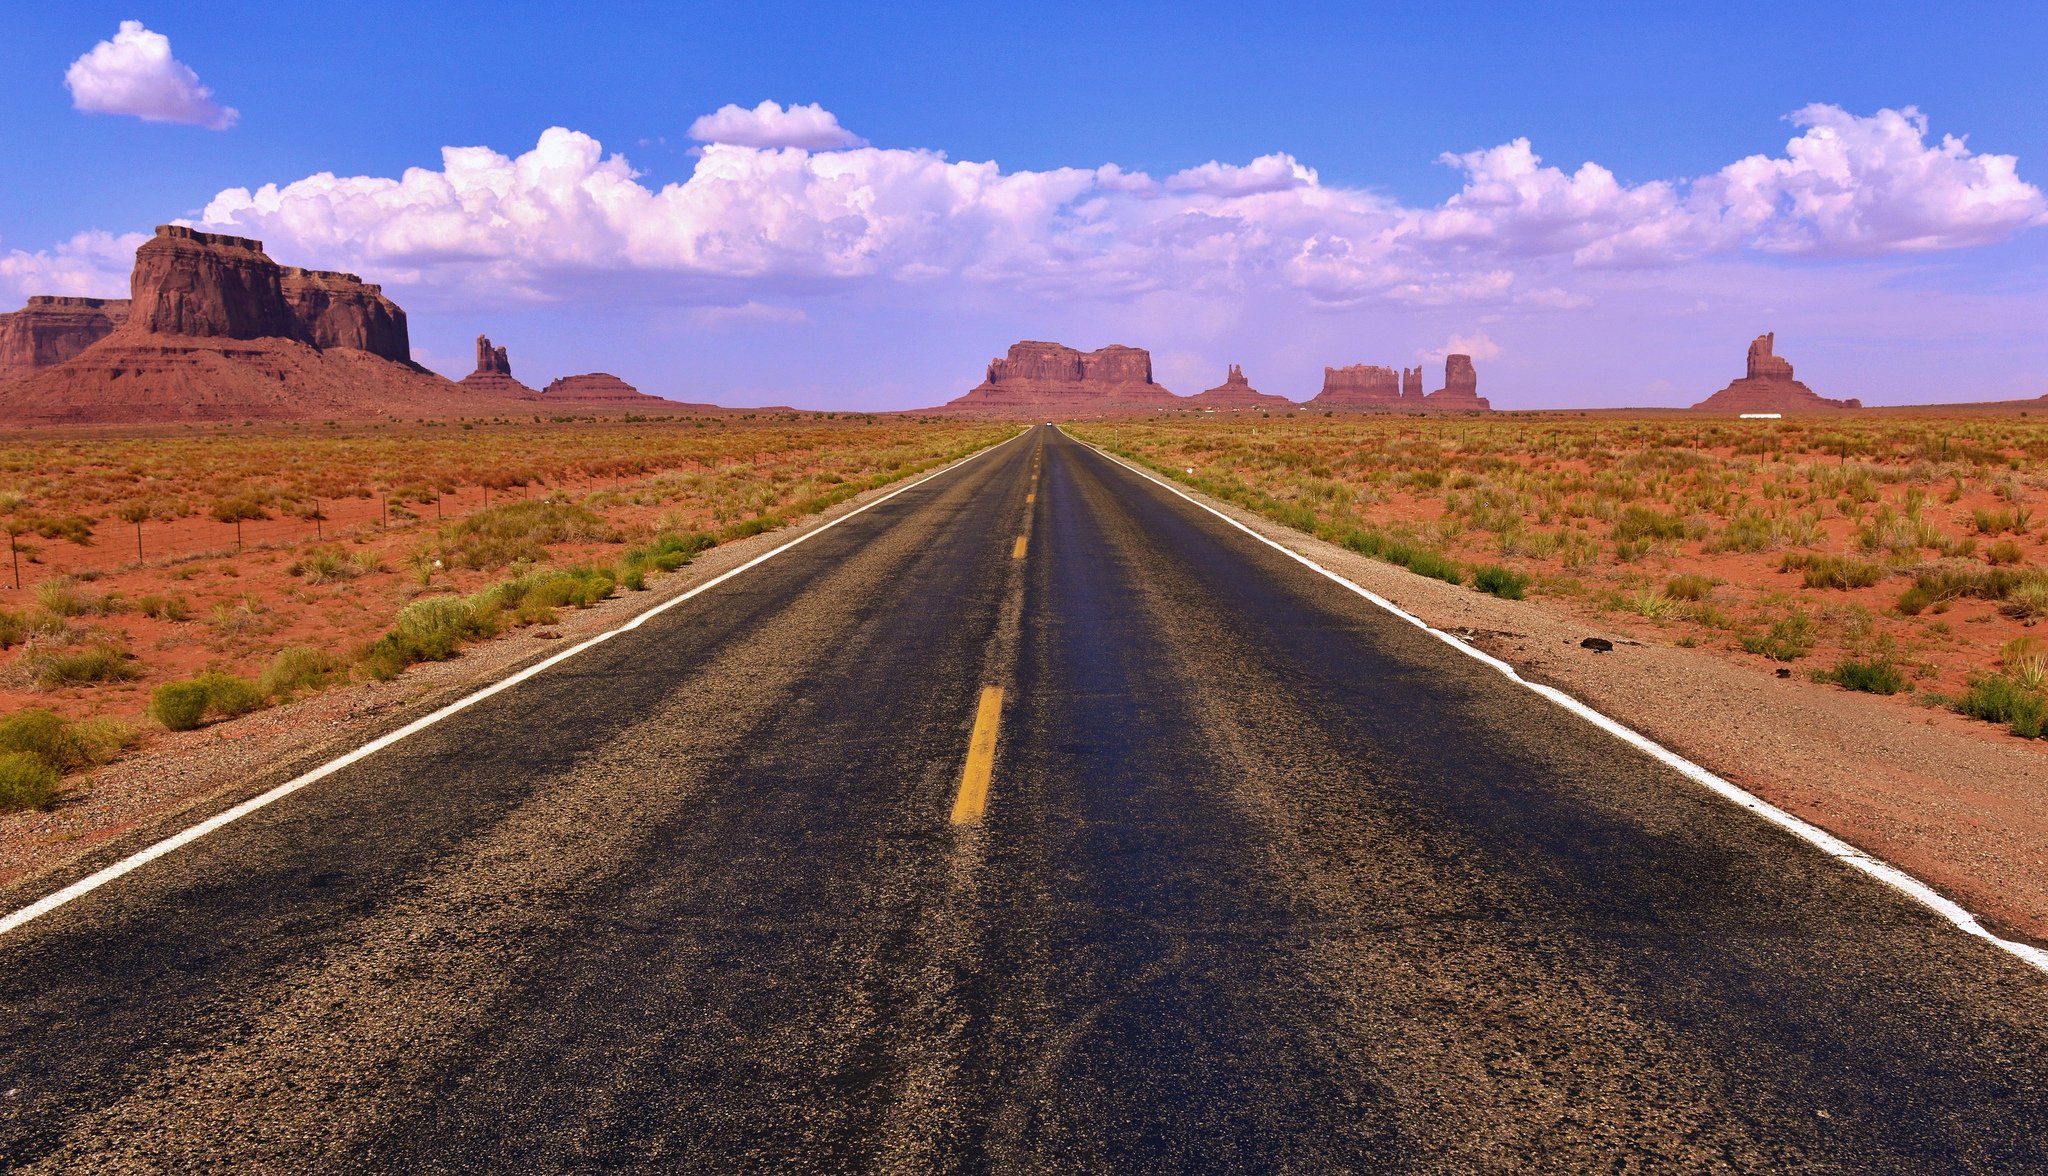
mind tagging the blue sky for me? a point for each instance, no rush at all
(1908, 290)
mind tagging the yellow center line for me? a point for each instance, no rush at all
(1017, 552)
(981, 757)
(1031, 497)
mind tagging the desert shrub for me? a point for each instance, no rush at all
(2024, 659)
(102, 738)
(26, 782)
(86, 667)
(300, 667)
(1833, 571)
(2005, 551)
(1640, 522)
(1788, 639)
(181, 706)
(1876, 675)
(1996, 698)
(433, 629)
(332, 564)
(1424, 562)
(1994, 522)
(1689, 586)
(519, 532)
(1647, 602)
(41, 733)
(14, 628)
(60, 598)
(1499, 581)
(167, 608)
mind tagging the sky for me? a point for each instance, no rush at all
(858, 207)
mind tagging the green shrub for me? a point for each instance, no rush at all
(60, 598)
(179, 706)
(1689, 586)
(300, 667)
(26, 782)
(43, 734)
(518, 532)
(1499, 581)
(167, 608)
(87, 667)
(182, 706)
(1788, 639)
(1873, 676)
(425, 630)
(1424, 562)
(1833, 571)
(1998, 699)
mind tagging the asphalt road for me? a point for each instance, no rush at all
(1265, 880)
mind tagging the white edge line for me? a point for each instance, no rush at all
(1814, 835)
(177, 841)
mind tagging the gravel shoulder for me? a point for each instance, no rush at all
(1956, 803)
(181, 778)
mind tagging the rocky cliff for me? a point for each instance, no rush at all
(1358, 385)
(215, 330)
(1768, 386)
(52, 329)
(493, 374)
(1236, 394)
(1038, 378)
(1461, 388)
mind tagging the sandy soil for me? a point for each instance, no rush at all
(1958, 803)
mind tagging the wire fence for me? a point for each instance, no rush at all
(119, 546)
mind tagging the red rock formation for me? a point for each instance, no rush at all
(1461, 388)
(603, 388)
(1359, 385)
(1040, 378)
(493, 374)
(52, 329)
(1768, 386)
(1411, 386)
(217, 331)
(1236, 394)
(331, 309)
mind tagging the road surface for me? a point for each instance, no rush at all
(1262, 878)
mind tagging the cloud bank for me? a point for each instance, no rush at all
(134, 74)
(784, 202)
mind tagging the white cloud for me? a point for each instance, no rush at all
(135, 74)
(808, 128)
(1479, 345)
(92, 264)
(773, 222)
(1267, 173)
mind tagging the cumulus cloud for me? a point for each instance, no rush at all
(91, 264)
(1479, 345)
(135, 74)
(808, 128)
(771, 219)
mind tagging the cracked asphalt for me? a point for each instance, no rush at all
(1267, 879)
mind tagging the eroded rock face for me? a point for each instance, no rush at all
(1038, 377)
(52, 329)
(1412, 391)
(1358, 385)
(595, 388)
(493, 374)
(1236, 394)
(330, 309)
(1768, 386)
(1461, 388)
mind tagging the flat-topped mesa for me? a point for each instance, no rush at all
(1358, 385)
(594, 388)
(212, 285)
(1037, 376)
(493, 374)
(1768, 386)
(1460, 390)
(53, 328)
(1236, 394)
